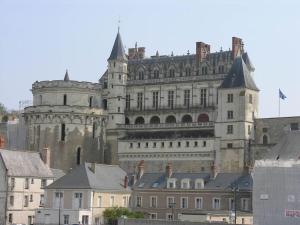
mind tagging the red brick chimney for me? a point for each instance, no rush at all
(237, 47)
(46, 156)
(140, 169)
(169, 170)
(202, 50)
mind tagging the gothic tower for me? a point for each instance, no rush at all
(237, 109)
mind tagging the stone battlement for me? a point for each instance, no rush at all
(65, 84)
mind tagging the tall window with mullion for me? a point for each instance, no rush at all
(203, 94)
(186, 100)
(78, 200)
(140, 101)
(128, 101)
(171, 99)
(155, 99)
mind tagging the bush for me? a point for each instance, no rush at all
(111, 215)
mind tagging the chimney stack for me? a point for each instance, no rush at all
(237, 47)
(169, 170)
(202, 50)
(140, 169)
(126, 181)
(46, 156)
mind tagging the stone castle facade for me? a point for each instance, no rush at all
(198, 111)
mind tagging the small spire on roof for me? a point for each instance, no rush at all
(172, 54)
(66, 76)
(157, 54)
(188, 52)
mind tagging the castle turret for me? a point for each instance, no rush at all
(237, 109)
(117, 77)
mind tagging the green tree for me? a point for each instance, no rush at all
(112, 214)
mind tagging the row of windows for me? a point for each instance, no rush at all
(198, 203)
(170, 144)
(27, 183)
(171, 73)
(230, 98)
(202, 118)
(27, 199)
(156, 99)
(65, 100)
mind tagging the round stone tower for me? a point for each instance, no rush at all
(67, 117)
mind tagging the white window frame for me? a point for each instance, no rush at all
(201, 202)
(79, 199)
(171, 181)
(213, 203)
(245, 206)
(151, 203)
(100, 201)
(185, 183)
(169, 203)
(187, 202)
(169, 216)
(153, 214)
(138, 199)
(112, 199)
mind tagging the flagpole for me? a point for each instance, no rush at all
(279, 105)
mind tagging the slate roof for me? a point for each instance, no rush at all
(57, 173)
(105, 177)
(118, 52)
(287, 148)
(223, 181)
(240, 74)
(24, 164)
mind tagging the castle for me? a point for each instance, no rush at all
(198, 111)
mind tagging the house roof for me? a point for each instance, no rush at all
(105, 177)
(118, 52)
(57, 173)
(239, 75)
(24, 164)
(287, 148)
(222, 181)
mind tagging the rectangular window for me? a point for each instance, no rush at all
(112, 201)
(203, 97)
(204, 144)
(178, 144)
(131, 145)
(245, 204)
(171, 99)
(155, 99)
(91, 101)
(230, 98)
(127, 102)
(154, 144)
(78, 200)
(198, 203)
(63, 132)
(26, 186)
(186, 100)
(152, 216)
(170, 144)
(140, 101)
(196, 144)
(153, 201)
(294, 126)
(170, 202)
(138, 201)
(184, 202)
(229, 129)
(146, 145)
(65, 99)
(138, 144)
(99, 201)
(265, 129)
(31, 198)
(26, 201)
(43, 183)
(187, 144)
(42, 200)
(10, 218)
(125, 201)
(216, 203)
(229, 145)
(58, 199)
(12, 183)
(249, 129)
(11, 200)
(32, 181)
(163, 144)
(250, 98)
(66, 219)
(169, 216)
(230, 114)
(231, 204)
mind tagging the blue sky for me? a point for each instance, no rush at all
(40, 39)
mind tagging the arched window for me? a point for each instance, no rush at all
(171, 119)
(265, 140)
(172, 72)
(155, 120)
(139, 120)
(78, 156)
(203, 118)
(186, 119)
(141, 75)
(156, 74)
(127, 121)
(65, 99)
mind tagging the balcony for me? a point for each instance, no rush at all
(203, 125)
(176, 79)
(178, 108)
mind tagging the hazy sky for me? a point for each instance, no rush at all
(39, 39)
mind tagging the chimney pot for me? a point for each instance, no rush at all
(169, 170)
(46, 156)
(140, 169)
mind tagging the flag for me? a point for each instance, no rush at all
(281, 95)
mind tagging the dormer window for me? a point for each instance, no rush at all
(171, 183)
(185, 184)
(199, 184)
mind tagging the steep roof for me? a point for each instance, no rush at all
(287, 148)
(240, 74)
(118, 52)
(24, 164)
(105, 177)
(223, 181)
(66, 78)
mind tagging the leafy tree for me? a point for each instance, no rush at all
(112, 214)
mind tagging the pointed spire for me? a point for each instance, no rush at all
(66, 76)
(118, 52)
